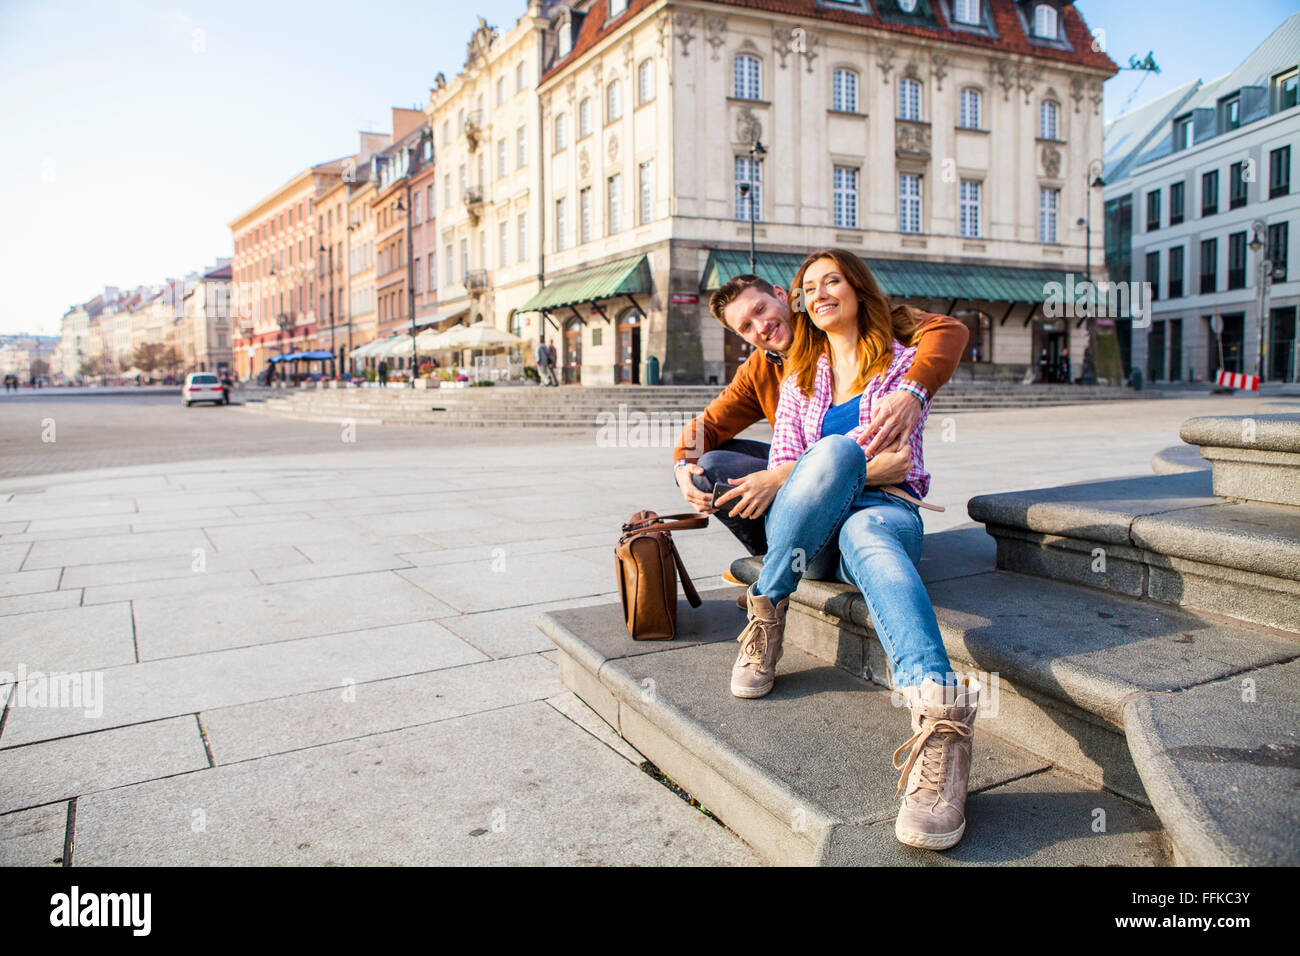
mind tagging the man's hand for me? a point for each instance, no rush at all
(892, 420)
(754, 492)
(891, 466)
(701, 501)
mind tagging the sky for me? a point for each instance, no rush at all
(135, 131)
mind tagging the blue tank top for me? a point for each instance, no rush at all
(843, 418)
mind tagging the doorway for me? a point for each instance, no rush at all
(1234, 342)
(1156, 352)
(573, 353)
(629, 347)
(1282, 329)
(1175, 350)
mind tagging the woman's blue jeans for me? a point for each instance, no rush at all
(825, 524)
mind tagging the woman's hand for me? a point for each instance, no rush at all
(891, 466)
(754, 492)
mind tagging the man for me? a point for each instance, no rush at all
(708, 452)
(383, 374)
(545, 364)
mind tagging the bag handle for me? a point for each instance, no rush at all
(692, 595)
(678, 522)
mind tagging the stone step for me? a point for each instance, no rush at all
(1254, 457)
(1092, 683)
(804, 775)
(1166, 538)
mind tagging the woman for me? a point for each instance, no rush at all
(838, 514)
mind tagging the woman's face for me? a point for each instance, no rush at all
(828, 298)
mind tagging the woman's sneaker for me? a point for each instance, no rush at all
(754, 672)
(936, 772)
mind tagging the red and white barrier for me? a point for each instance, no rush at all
(1238, 380)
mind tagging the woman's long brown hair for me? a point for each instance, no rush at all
(879, 324)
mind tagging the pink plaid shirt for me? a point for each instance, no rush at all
(799, 419)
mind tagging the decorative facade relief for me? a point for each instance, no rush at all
(811, 42)
(885, 57)
(1001, 74)
(748, 128)
(912, 140)
(1076, 92)
(584, 163)
(612, 150)
(1096, 97)
(781, 44)
(1051, 162)
(662, 24)
(939, 67)
(684, 24)
(1026, 76)
(714, 28)
(479, 42)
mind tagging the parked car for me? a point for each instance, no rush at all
(203, 387)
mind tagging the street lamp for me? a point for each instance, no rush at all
(755, 151)
(1259, 244)
(333, 350)
(410, 281)
(1093, 181)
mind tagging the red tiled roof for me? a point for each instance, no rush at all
(1011, 36)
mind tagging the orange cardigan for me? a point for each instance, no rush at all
(756, 390)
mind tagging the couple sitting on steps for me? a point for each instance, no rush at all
(846, 380)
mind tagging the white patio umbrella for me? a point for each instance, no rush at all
(395, 346)
(363, 351)
(431, 341)
(478, 337)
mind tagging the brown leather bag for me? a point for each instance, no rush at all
(647, 562)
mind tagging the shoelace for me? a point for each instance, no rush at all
(753, 641)
(931, 777)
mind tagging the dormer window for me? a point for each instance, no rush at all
(1183, 133)
(907, 6)
(1230, 111)
(966, 11)
(565, 39)
(617, 7)
(1046, 22)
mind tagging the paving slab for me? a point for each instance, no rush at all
(68, 639)
(28, 582)
(34, 837)
(1222, 763)
(12, 557)
(46, 601)
(512, 631)
(208, 621)
(199, 682)
(491, 788)
(572, 706)
(74, 766)
(506, 582)
(362, 709)
(112, 548)
(170, 587)
(181, 565)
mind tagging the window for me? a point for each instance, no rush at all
(845, 198)
(645, 82)
(561, 224)
(451, 273)
(746, 76)
(615, 188)
(460, 122)
(519, 77)
(446, 132)
(909, 203)
(1277, 250)
(446, 190)
(565, 39)
(966, 11)
(844, 91)
(503, 242)
(433, 271)
(1049, 205)
(1153, 274)
(1279, 172)
(1230, 113)
(1237, 260)
(561, 131)
(584, 117)
(521, 148)
(613, 102)
(909, 99)
(1209, 264)
(415, 208)
(1176, 272)
(464, 183)
(647, 180)
(1210, 193)
(521, 240)
(584, 214)
(970, 108)
(1176, 196)
(430, 204)
(970, 209)
(1049, 120)
(1236, 186)
(464, 258)
(1045, 22)
(749, 187)
(419, 278)
(1184, 134)
(616, 7)
(1286, 90)
(1153, 210)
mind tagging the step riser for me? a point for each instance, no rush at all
(1057, 731)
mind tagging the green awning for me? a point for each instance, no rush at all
(620, 277)
(899, 278)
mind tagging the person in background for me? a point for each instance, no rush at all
(383, 374)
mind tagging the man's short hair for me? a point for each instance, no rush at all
(732, 289)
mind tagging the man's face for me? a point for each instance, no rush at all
(760, 319)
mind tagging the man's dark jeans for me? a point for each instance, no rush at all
(735, 459)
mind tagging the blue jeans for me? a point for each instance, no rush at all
(825, 524)
(730, 460)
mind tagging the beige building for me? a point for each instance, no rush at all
(946, 141)
(206, 339)
(485, 127)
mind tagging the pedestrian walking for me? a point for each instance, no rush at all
(383, 374)
(554, 362)
(545, 364)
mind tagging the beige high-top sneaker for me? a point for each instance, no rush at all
(754, 672)
(935, 774)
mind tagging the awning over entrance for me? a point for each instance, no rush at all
(620, 277)
(900, 278)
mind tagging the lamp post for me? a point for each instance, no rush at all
(410, 280)
(334, 352)
(1093, 181)
(746, 189)
(1259, 244)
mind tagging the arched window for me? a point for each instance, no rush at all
(613, 101)
(1046, 24)
(909, 99)
(971, 107)
(584, 117)
(844, 91)
(1049, 120)
(645, 82)
(747, 77)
